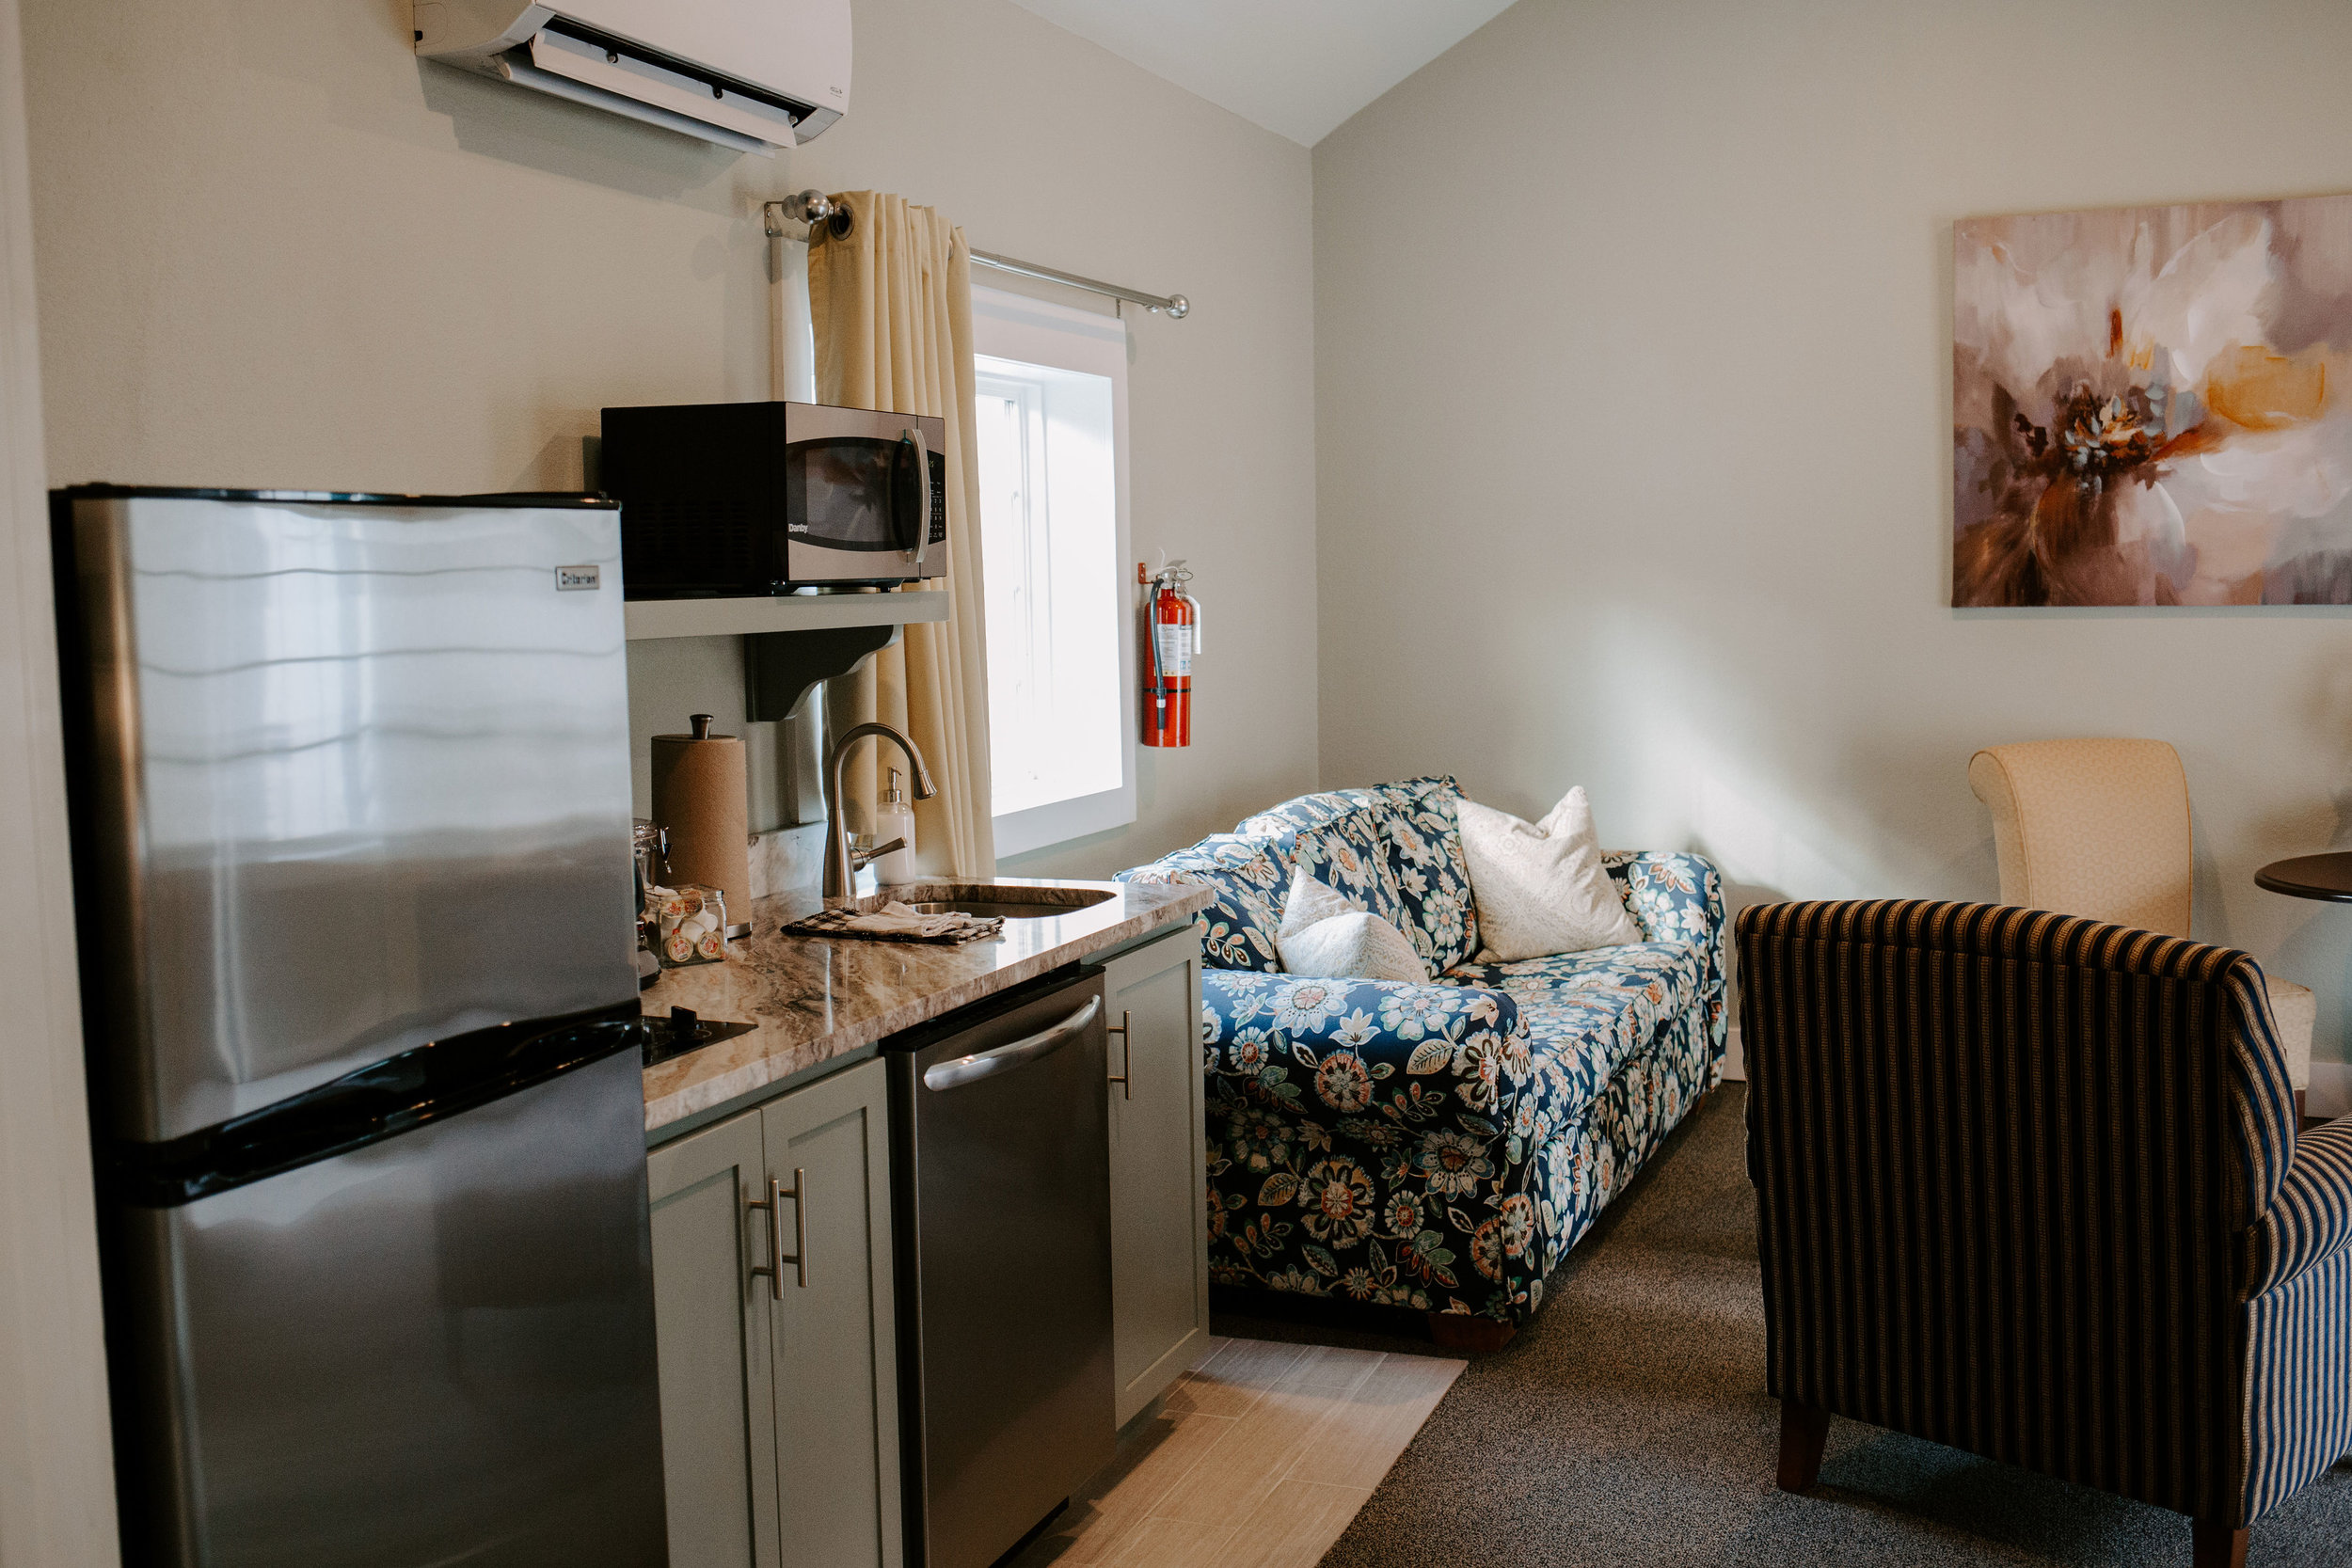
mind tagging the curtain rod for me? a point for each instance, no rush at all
(814, 207)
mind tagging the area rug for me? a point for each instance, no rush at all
(1627, 1424)
(1257, 1458)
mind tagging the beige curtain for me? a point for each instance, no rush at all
(891, 302)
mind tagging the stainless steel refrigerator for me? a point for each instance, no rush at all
(351, 809)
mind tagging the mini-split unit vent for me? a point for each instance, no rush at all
(752, 74)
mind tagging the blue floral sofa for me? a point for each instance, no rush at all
(1441, 1147)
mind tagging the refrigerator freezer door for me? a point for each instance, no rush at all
(437, 1349)
(357, 778)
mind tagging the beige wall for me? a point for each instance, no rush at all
(1634, 336)
(56, 1470)
(276, 249)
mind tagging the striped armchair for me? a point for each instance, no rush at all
(2028, 1185)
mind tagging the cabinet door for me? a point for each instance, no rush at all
(835, 1343)
(711, 1330)
(1159, 1213)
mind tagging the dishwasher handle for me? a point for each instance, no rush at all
(1004, 1059)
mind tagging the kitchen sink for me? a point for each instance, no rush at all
(1004, 908)
(1016, 903)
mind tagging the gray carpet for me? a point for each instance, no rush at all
(1627, 1424)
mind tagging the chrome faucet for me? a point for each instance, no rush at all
(843, 863)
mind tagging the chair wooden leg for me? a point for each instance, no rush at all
(1462, 1331)
(2219, 1546)
(1803, 1433)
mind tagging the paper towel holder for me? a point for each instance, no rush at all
(688, 856)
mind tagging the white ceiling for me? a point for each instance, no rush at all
(1296, 67)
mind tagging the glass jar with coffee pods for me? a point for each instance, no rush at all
(689, 925)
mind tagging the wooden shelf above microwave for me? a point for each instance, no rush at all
(653, 618)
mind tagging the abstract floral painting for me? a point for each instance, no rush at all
(2150, 405)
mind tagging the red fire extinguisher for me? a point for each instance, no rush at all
(1171, 634)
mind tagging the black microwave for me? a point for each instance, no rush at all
(732, 499)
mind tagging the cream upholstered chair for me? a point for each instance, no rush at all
(2099, 827)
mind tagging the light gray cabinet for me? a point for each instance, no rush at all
(1159, 1188)
(779, 1390)
(711, 1326)
(835, 1343)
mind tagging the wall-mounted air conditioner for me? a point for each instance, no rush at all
(754, 74)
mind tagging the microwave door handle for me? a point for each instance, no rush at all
(914, 433)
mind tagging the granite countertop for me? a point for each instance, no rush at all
(814, 999)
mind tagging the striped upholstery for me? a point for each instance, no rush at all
(2300, 1335)
(2027, 1185)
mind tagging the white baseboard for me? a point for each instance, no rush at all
(2330, 1092)
(1735, 1064)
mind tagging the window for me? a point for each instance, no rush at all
(1051, 437)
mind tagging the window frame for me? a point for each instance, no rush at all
(1017, 326)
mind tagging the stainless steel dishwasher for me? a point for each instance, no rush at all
(1002, 1186)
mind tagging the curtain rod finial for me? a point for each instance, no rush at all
(1177, 306)
(808, 207)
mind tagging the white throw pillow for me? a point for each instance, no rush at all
(1541, 889)
(1325, 932)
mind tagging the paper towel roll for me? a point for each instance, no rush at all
(700, 795)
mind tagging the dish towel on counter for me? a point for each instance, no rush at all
(890, 312)
(896, 922)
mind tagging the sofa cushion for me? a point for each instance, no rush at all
(1238, 927)
(1325, 932)
(1587, 1013)
(1337, 840)
(1305, 812)
(1416, 825)
(1539, 885)
(1420, 822)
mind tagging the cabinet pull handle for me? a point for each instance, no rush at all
(798, 1193)
(1126, 1054)
(778, 1257)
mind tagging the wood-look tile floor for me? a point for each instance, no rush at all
(1258, 1458)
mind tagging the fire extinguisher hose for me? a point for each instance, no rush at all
(1151, 635)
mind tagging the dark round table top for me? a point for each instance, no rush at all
(2328, 877)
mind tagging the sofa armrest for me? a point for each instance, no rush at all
(2309, 1221)
(1331, 1047)
(1677, 897)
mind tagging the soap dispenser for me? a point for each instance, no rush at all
(895, 818)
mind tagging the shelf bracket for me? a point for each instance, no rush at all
(779, 667)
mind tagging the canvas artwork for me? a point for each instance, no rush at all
(2150, 405)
